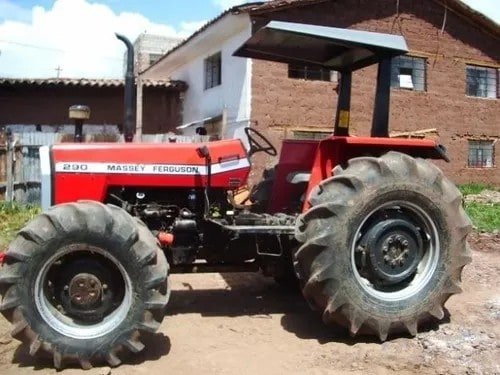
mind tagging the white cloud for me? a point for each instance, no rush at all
(490, 8)
(73, 34)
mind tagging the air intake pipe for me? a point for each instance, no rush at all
(130, 92)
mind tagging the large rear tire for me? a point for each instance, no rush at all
(384, 244)
(81, 281)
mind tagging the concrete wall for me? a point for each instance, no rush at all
(48, 105)
(280, 103)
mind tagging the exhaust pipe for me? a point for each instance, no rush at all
(130, 92)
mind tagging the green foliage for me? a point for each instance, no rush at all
(12, 218)
(484, 216)
(472, 189)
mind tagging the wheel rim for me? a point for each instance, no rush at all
(424, 268)
(71, 326)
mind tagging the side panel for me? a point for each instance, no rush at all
(296, 156)
(45, 168)
(339, 150)
(87, 171)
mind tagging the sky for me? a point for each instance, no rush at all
(39, 36)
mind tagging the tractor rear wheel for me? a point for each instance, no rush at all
(81, 281)
(384, 244)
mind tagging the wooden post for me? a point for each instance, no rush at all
(9, 190)
(138, 128)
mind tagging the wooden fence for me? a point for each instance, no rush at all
(20, 176)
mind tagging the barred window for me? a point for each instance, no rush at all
(213, 70)
(482, 81)
(481, 154)
(154, 57)
(409, 72)
(311, 73)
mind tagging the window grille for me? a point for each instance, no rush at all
(481, 81)
(409, 72)
(311, 135)
(213, 70)
(311, 73)
(481, 154)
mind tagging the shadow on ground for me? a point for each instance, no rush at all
(254, 295)
(158, 345)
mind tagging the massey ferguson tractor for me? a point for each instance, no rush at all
(372, 230)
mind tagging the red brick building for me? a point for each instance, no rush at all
(449, 81)
(46, 102)
(449, 42)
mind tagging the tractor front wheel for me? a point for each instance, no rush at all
(81, 281)
(384, 244)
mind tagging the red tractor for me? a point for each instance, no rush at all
(374, 233)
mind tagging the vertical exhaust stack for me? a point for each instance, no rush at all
(130, 92)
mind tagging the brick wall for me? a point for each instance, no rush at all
(280, 103)
(46, 105)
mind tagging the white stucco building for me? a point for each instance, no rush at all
(218, 82)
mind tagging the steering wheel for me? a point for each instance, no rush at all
(258, 143)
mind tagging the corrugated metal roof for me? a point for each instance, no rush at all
(84, 82)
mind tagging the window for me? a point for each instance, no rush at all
(213, 71)
(154, 57)
(311, 135)
(482, 81)
(481, 154)
(311, 73)
(409, 72)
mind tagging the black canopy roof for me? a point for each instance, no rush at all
(328, 47)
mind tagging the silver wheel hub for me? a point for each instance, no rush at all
(85, 292)
(395, 251)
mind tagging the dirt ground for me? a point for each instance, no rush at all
(245, 324)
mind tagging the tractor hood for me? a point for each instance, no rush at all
(71, 172)
(327, 47)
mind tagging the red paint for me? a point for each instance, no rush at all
(3, 256)
(319, 158)
(338, 150)
(70, 187)
(296, 156)
(166, 239)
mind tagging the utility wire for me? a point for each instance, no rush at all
(51, 49)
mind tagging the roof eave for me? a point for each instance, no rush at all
(235, 10)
